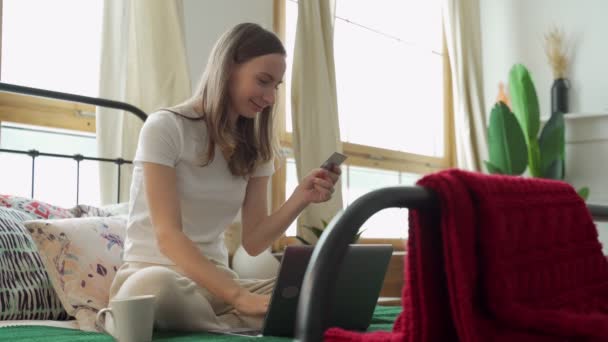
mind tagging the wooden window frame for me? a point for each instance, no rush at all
(363, 155)
(38, 111)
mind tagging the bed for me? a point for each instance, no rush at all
(383, 319)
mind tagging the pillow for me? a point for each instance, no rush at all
(84, 210)
(36, 208)
(81, 256)
(25, 289)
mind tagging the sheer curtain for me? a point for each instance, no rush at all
(316, 133)
(462, 30)
(143, 63)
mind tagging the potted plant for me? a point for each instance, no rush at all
(318, 231)
(513, 136)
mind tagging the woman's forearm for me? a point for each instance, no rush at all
(273, 226)
(186, 255)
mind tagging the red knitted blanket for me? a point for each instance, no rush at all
(504, 259)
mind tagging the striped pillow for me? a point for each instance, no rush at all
(25, 289)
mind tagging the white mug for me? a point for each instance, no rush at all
(132, 318)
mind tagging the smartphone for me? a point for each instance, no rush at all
(335, 159)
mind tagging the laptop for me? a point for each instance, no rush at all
(358, 287)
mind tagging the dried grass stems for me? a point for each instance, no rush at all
(556, 51)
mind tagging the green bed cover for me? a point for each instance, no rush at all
(383, 319)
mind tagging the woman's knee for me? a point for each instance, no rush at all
(154, 280)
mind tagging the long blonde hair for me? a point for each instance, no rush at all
(253, 141)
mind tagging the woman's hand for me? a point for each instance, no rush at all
(251, 304)
(318, 185)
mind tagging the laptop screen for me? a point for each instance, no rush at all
(358, 286)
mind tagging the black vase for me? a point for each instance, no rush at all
(559, 96)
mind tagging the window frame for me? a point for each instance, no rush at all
(362, 155)
(37, 111)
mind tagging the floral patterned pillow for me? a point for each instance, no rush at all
(36, 208)
(81, 256)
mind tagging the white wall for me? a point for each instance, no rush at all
(206, 20)
(513, 32)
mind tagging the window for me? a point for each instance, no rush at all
(357, 181)
(389, 75)
(55, 180)
(52, 45)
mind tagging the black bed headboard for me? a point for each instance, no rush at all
(13, 88)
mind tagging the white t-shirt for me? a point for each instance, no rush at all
(210, 196)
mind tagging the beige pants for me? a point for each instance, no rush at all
(182, 305)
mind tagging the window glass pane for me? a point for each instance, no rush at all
(55, 181)
(362, 180)
(407, 178)
(388, 223)
(291, 19)
(390, 94)
(52, 44)
(389, 73)
(45, 139)
(15, 178)
(89, 181)
(55, 178)
(413, 22)
(290, 186)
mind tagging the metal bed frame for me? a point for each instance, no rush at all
(12, 88)
(319, 279)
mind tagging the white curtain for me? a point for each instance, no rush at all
(462, 29)
(316, 133)
(143, 63)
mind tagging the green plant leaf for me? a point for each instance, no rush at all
(358, 236)
(534, 158)
(302, 240)
(315, 230)
(551, 144)
(583, 192)
(506, 141)
(524, 101)
(493, 168)
(555, 170)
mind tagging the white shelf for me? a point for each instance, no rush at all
(583, 116)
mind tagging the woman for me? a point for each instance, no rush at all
(196, 165)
